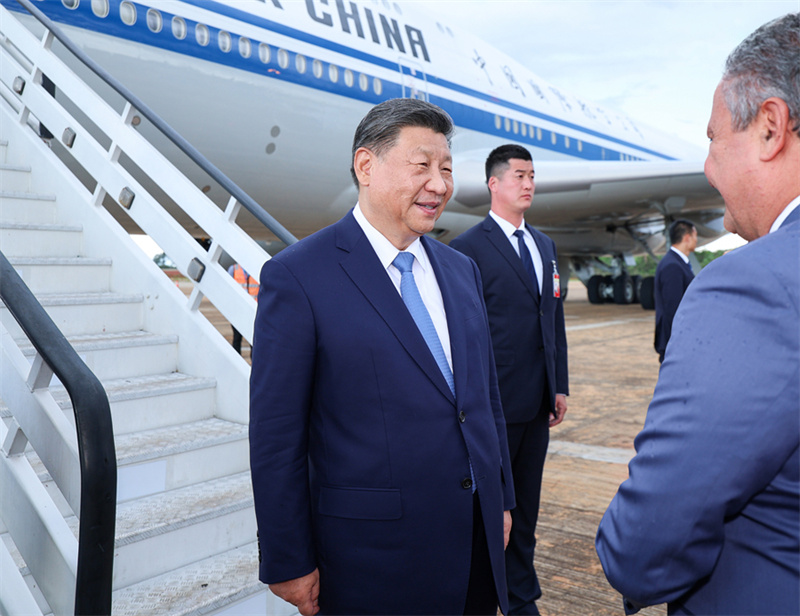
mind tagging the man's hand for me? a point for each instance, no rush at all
(301, 592)
(561, 409)
(506, 528)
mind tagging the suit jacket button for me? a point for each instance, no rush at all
(462, 417)
(466, 483)
(541, 313)
(541, 347)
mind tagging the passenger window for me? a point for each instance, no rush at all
(100, 8)
(224, 41)
(127, 13)
(201, 34)
(283, 58)
(245, 47)
(154, 20)
(178, 28)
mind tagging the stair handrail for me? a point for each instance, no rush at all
(96, 450)
(187, 148)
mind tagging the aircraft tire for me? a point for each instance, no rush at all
(637, 287)
(623, 290)
(647, 293)
(593, 289)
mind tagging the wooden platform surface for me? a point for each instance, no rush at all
(613, 371)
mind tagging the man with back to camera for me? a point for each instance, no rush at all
(521, 288)
(673, 276)
(709, 520)
(377, 441)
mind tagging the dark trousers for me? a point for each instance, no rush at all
(527, 444)
(481, 592)
(237, 340)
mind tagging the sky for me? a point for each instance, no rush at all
(658, 62)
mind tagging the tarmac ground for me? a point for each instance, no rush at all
(612, 372)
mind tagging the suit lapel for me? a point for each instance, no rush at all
(501, 243)
(544, 253)
(363, 267)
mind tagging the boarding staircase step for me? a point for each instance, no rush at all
(121, 355)
(85, 313)
(63, 274)
(182, 526)
(150, 402)
(27, 207)
(200, 588)
(39, 240)
(14, 178)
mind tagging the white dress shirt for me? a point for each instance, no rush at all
(509, 229)
(424, 276)
(680, 254)
(785, 214)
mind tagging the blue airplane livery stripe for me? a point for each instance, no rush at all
(463, 115)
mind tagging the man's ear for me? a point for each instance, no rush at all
(363, 162)
(773, 126)
(492, 184)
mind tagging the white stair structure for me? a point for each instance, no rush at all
(185, 526)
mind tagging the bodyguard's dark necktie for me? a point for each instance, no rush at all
(527, 261)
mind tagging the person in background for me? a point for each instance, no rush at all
(250, 285)
(673, 276)
(522, 291)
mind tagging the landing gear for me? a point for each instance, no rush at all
(647, 293)
(598, 289)
(623, 290)
(609, 289)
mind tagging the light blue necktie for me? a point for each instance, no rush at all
(404, 262)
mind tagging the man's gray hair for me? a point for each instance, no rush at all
(765, 64)
(379, 129)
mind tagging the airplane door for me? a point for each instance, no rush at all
(413, 80)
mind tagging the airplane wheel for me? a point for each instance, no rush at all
(623, 289)
(647, 293)
(607, 289)
(593, 290)
(637, 287)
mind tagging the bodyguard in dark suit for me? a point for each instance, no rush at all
(709, 520)
(378, 447)
(521, 288)
(673, 276)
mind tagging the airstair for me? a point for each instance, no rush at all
(182, 520)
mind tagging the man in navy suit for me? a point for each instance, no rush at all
(709, 520)
(378, 451)
(673, 276)
(522, 291)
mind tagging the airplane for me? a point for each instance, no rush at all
(272, 90)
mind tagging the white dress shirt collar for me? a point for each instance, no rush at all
(785, 214)
(385, 250)
(507, 227)
(680, 254)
